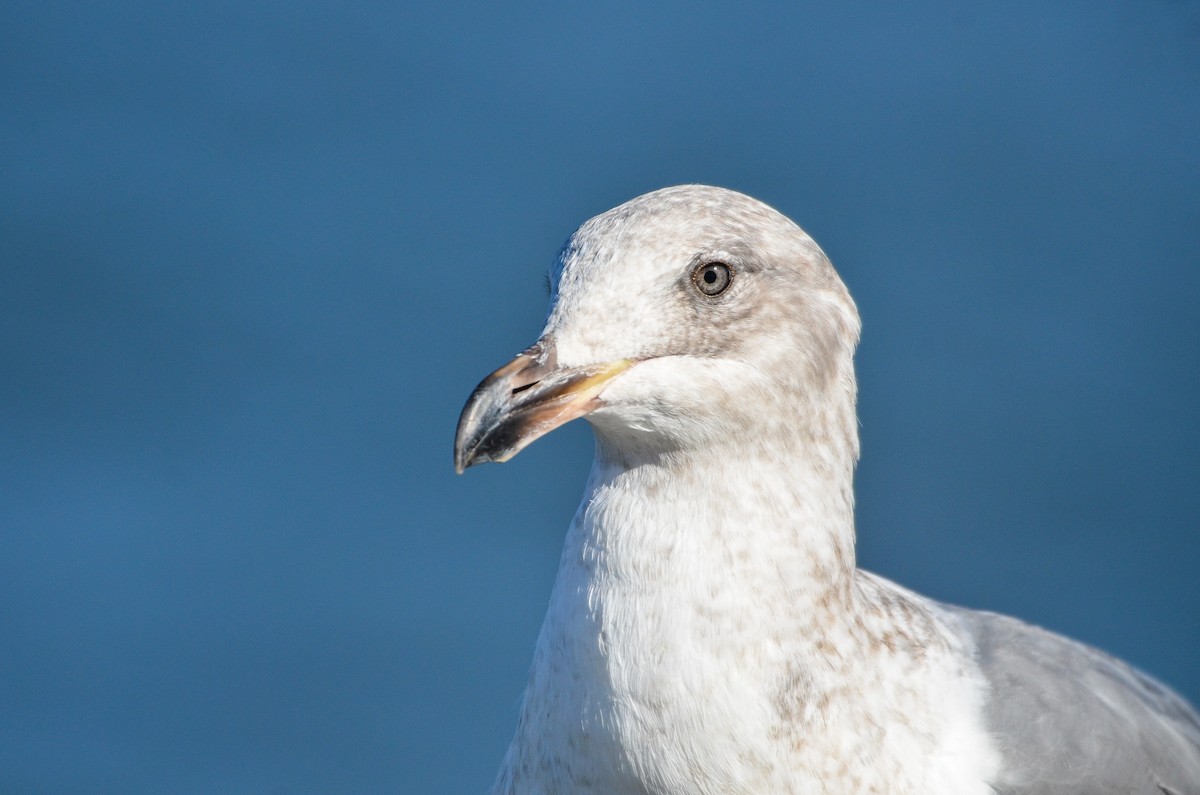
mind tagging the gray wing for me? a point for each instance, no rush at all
(1070, 719)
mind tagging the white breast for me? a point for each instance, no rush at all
(711, 666)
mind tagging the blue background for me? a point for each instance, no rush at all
(255, 256)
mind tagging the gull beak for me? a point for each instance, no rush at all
(525, 399)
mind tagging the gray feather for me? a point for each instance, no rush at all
(1070, 719)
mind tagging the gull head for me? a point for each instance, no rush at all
(679, 320)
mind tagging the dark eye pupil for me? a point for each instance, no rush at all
(710, 275)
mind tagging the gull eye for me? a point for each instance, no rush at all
(712, 278)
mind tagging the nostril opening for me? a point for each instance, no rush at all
(522, 388)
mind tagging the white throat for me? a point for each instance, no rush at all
(705, 616)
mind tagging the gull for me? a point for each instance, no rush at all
(708, 629)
